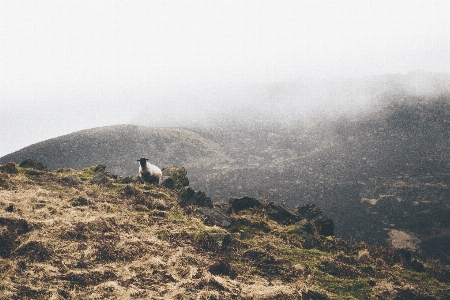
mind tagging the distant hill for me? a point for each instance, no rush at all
(120, 146)
(379, 175)
(376, 174)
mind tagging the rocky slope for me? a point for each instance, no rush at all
(88, 234)
(390, 168)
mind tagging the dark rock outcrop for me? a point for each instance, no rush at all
(71, 180)
(9, 168)
(215, 215)
(101, 179)
(323, 224)
(100, 168)
(238, 204)
(168, 182)
(33, 163)
(178, 174)
(279, 214)
(187, 196)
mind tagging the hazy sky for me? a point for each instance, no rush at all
(69, 65)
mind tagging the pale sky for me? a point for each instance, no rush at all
(70, 65)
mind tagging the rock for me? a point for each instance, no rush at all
(178, 174)
(35, 251)
(215, 215)
(150, 178)
(402, 255)
(10, 208)
(303, 227)
(224, 206)
(168, 182)
(323, 224)
(220, 268)
(100, 168)
(80, 201)
(130, 191)
(101, 179)
(71, 180)
(417, 266)
(309, 212)
(238, 204)
(9, 168)
(187, 196)
(279, 214)
(32, 163)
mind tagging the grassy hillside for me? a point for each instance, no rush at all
(379, 175)
(119, 146)
(64, 236)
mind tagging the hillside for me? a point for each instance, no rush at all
(380, 175)
(119, 146)
(86, 234)
(376, 175)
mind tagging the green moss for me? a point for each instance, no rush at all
(306, 252)
(303, 257)
(344, 288)
(176, 216)
(423, 280)
(87, 173)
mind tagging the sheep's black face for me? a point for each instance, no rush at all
(143, 161)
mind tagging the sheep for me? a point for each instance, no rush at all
(148, 172)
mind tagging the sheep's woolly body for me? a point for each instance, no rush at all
(148, 171)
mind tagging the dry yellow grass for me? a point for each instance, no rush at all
(71, 239)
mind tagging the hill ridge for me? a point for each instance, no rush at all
(85, 233)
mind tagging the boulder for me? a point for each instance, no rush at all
(168, 182)
(214, 216)
(71, 180)
(238, 204)
(101, 179)
(178, 174)
(187, 196)
(9, 168)
(33, 163)
(279, 214)
(100, 168)
(151, 179)
(323, 224)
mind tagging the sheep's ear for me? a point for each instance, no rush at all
(137, 159)
(146, 159)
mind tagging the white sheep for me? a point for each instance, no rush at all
(150, 173)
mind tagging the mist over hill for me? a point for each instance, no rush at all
(382, 172)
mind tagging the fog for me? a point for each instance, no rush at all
(72, 65)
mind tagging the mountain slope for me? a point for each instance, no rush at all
(379, 175)
(65, 235)
(119, 146)
(375, 174)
